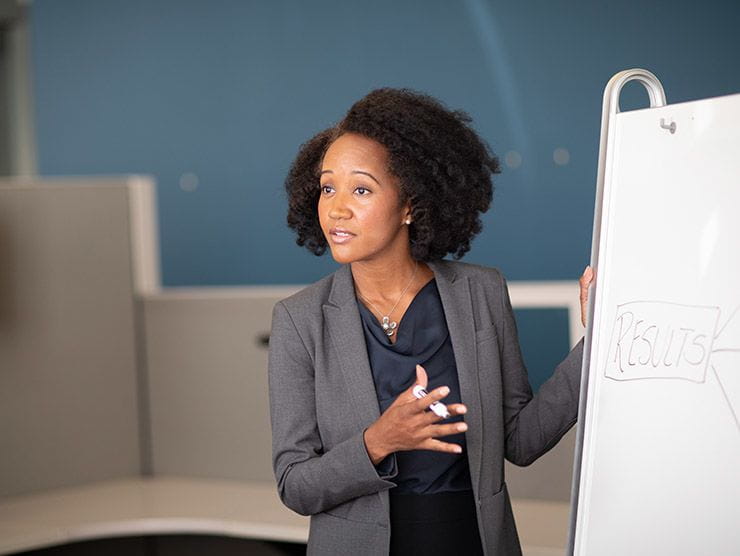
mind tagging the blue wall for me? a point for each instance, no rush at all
(229, 89)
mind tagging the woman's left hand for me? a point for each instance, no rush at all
(585, 281)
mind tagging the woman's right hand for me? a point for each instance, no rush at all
(407, 425)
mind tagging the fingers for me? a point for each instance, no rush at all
(408, 394)
(421, 376)
(435, 395)
(457, 409)
(584, 282)
(439, 446)
(587, 276)
(454, 409)
(421, 404)
(438, 431)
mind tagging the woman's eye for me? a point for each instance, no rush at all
(362, 190)
(325, 188)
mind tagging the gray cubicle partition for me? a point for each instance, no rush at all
(73, 254)
(207, 367)
(548, 478)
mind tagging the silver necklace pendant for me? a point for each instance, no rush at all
(389, 327)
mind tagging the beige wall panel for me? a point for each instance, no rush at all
(207, 375)
(68, 379)
(548, 478)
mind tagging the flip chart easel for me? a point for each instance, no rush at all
(658, 450)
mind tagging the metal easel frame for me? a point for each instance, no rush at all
(610, 108)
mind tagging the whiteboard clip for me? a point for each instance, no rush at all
(671, 126)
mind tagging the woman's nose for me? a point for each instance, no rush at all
(339, 208)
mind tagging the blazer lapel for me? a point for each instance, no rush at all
(454, 290)
(345, 330)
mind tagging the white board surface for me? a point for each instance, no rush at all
(660, 459)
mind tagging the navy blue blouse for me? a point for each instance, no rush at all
(422, 338)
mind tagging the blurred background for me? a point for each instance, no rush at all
(212, 99)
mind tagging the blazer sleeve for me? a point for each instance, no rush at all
(310, 479)
(534, 424)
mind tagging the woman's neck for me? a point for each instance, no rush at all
(385, 281)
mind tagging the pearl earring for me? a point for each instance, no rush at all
(408, 221)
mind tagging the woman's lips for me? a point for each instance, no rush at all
(340, 237)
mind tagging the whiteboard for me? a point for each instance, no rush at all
(658, 462)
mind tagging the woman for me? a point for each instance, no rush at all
(395, 186)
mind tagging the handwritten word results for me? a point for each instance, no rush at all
(654, 339)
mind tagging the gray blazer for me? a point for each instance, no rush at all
(322, 398)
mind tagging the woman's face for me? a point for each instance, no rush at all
(359, 206)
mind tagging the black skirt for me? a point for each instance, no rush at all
(443, 523)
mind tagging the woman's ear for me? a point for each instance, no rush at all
(407, 213)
